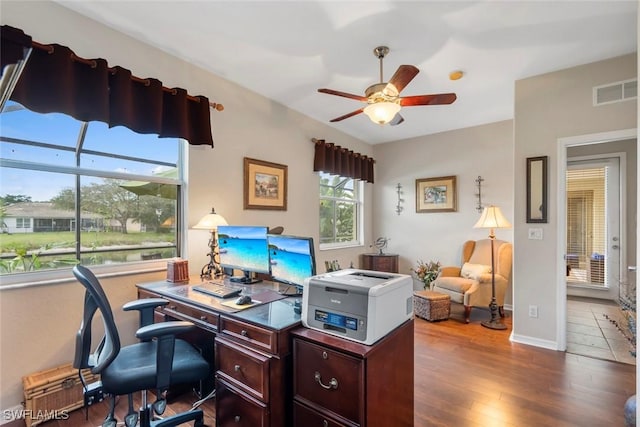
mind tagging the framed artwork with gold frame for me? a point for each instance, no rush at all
(265, 185)
(436, 194)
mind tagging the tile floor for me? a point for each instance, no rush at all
(590, 333)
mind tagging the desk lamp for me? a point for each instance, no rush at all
(210, 222)
(492, 218)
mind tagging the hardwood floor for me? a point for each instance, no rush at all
(470, 376)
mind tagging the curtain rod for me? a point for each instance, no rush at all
(49, 49)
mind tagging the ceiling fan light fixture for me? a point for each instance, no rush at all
(382, 112)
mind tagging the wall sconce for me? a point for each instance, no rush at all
(400, 199)
(479, 181)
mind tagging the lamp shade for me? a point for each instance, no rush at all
(382, 112)
(492, 218)
(210, 221)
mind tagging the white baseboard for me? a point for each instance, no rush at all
(536, 342)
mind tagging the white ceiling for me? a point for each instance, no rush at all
(286, 50)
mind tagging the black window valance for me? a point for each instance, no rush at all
(336, 160)
(54, 79)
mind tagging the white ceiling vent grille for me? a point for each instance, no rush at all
(615, 92)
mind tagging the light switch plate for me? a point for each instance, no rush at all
(535, 233)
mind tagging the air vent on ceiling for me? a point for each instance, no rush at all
(615, 92)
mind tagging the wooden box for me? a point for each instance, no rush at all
(52, 393)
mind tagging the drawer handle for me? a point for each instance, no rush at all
(236, 368)
(244, 333)
(333, 383)
(237, 418)
(172, 307)
(325, 423)
(203, 318)
(325, 356)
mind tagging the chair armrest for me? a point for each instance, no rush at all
(157, 330)
(450, 271)
(146, 307)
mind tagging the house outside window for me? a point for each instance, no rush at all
(340, 211)
(77, 192)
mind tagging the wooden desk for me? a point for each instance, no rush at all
(250, 350)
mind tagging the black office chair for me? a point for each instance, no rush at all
(158, 361)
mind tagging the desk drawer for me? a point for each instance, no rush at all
(243, 368)
(307, 417)
(234, 409)
(330, 379)
(182, 311)
(256, 336)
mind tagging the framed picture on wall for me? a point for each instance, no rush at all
(537, 189)
(436, 194)
(265, 185)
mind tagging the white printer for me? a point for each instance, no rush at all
(359, 305)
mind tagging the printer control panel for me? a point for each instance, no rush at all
(337, 320)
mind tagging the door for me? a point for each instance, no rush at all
(593, 207)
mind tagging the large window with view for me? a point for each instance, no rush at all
(81, 192)
(340, 211)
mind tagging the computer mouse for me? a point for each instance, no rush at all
(243, 300)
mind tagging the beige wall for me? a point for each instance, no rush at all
(39, 323)
(549, 107)
(485, 151)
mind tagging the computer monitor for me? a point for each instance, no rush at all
(292, 259)
(244, 248)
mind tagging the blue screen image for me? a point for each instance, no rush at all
(243, 248)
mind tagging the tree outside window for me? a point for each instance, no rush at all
(340, 206)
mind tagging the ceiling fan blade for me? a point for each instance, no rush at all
(435, 99)
(344, 94)
(404, 74)
(396, 120)
(346, 116)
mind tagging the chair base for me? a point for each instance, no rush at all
(197, 416)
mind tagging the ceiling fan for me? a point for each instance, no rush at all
(384, 100)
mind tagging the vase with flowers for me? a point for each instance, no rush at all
(426, 272)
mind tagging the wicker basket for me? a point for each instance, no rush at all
(52, 393)
(431, 305)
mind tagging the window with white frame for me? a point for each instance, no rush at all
(81, 192)
(340, 211)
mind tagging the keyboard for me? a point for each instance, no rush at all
(219, 290)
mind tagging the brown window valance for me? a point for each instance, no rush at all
(54, 79)
(336, 160)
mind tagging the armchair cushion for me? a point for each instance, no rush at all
(456, 284)
(474, 271)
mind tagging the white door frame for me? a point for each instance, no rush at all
(561, 215)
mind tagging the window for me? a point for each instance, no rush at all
(23, 222)
(340, 211)
(74, 191)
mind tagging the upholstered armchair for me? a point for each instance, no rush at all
(470, 283)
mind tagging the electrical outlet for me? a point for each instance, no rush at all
(533, 311)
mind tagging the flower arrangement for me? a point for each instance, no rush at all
(426, 272)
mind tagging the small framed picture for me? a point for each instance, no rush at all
(265, 185)
(436, 194)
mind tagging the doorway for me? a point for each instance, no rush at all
(623, 145)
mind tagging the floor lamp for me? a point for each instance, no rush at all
(492, 218)
(210, 222)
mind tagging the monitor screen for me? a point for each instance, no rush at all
(243, 248)
(292, 259)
